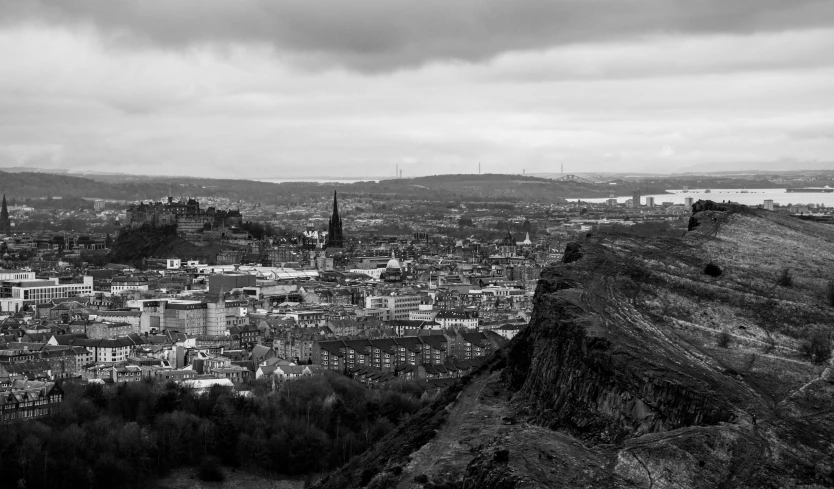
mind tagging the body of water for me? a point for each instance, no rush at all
(751, 197)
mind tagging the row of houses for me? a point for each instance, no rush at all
(24, 399)
(453, 369)
(388, 354)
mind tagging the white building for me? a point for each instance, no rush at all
(425, 312)
(503, 291)
(457, 319)
(398, 306)
(649, 201)
(307, 319)
(768, 205)
(121, 284)
(507, 330)
(16, 275)
(45, 290)
(374, 273)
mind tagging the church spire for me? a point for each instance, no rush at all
(5, 222)
(334, 228)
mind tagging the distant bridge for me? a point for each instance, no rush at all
(575, 179)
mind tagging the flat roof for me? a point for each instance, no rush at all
(35, 283)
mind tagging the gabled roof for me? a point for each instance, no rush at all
(477, 339)
(436, 341)
(53, 353)
(292, 369)
(412, 343)
(359, 346)
(67, 306)
(250, 328)
(260, 351)
(334, 347)
(25, 367)
(386, 345)
(267, 369)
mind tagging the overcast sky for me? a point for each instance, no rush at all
(288, 88)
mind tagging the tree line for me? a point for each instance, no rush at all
(127, 435)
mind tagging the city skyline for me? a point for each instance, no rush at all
(277, 90)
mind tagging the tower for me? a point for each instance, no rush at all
(5, 222)
(334, 228)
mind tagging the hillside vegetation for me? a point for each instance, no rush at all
(641, 370)
(132, 246)
(134, 433)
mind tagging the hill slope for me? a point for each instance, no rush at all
(620, 380)
(134, 245)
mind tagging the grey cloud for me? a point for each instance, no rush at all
(386, 35)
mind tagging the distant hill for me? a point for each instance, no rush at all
(469, 187)
(27, 184)
(463, 187)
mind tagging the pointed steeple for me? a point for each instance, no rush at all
(334, 228)
(5, 222)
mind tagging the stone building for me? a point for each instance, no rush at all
(335, 239)
(5, 222)
(187, 216)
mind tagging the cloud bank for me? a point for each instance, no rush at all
(258, 88)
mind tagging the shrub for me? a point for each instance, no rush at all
(816, 347)
(712, 270)
(209, 470)
(785, 278)
(724, 339)
(421, 478)
(829, 293)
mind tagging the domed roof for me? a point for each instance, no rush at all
(393, 263)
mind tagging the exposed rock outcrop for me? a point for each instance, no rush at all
(603, 381)
(619, 382)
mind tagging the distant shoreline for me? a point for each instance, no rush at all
(753, 196)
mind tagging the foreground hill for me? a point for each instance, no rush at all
(640, 370)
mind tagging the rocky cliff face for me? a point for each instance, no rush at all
(604, 379)
(640, 370)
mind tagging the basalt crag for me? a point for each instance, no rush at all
(640, 370)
